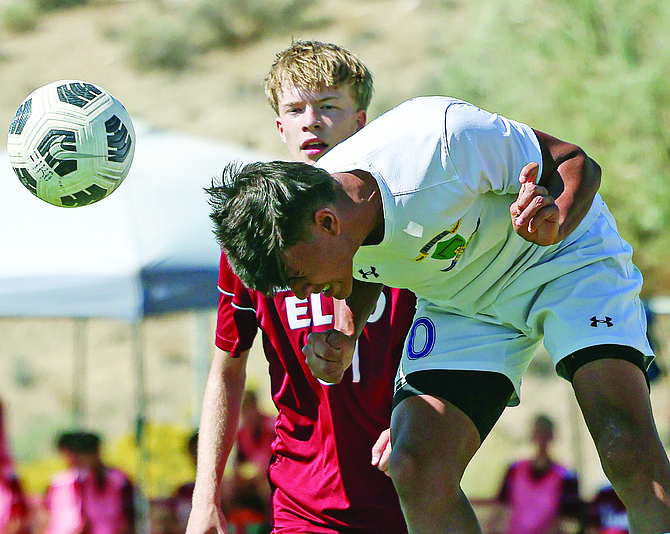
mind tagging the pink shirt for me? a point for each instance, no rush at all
(256, 446)
(534, 501)
(75, 499)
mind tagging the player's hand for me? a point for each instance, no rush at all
(535, 215)
(381, 451)
(328, 354)
(206, 521)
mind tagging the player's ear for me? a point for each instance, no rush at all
(327, 220)
(361, 119)
(280, 129)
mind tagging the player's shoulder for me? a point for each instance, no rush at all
(417, 110)
(462, 117)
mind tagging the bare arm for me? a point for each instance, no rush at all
(216, 437)
(548, 208)
(352, 315)
(328, 354)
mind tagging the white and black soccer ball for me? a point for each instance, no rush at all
(71, 143)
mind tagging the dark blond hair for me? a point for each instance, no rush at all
(312, 66)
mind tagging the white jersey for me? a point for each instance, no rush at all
(448, 173)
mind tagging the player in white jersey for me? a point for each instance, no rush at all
(500, 232)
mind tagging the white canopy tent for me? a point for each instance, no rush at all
(147, 249)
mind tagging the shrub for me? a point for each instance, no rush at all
(52, 5)
(20, 16)
(160, 42)
(229, 23)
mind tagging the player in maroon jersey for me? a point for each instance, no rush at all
(322, 475)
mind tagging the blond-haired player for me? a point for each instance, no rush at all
(322, 476)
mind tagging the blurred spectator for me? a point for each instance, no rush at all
(13, 503)
(181, 500)
(538, 495)
(607, 514)
(250, 499)
(88, 497)
(162, 517)
(256, 434)
(655, 370)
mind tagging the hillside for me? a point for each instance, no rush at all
(220, 94)
(588, 71)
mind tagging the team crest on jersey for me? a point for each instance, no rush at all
(445, 250)
(423, 253)
(451, 248)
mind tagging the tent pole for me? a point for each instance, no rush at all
(576, 421)
(201, 363)
(143, 525)
(79, 372)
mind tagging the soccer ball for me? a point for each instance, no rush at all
(71, 143)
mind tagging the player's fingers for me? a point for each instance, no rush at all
(526, 212)
(328, 372)
(337, 340)
(548, 213)
(528, 192)
(384, 460)
(318, 346)
(381, 451)
(324, 362)
(379, 446)
(529, 172)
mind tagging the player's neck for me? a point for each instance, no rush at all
(362, 198)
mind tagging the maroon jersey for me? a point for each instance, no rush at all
(321, 472)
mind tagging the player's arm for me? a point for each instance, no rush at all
(549, 207)
(328, 354)
(216, 436)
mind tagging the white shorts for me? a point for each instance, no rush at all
(578, 296)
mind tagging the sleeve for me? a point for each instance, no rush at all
(487, 150)
(236, 323)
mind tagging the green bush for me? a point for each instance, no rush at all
(20, 16)
(52, 5)
(229, 23)
(161, 42)
(591, 72)
(169, 38)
